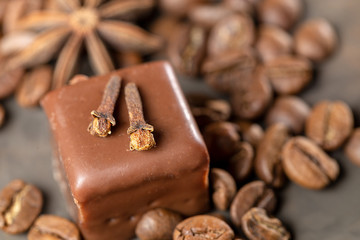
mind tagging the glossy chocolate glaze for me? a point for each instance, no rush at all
(113, 186)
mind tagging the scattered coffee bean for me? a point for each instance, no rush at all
(231, 34)
(34, 86)
(203, 227)
(257, 225)
(49, 227)
(315, 39)
(178, 8)
(157, 224)
(250, 132)
(253, 194)
(20, 204)
(9, 80)
(224, 188)
(273, 42)
(242, 6)
(307, 164)
(221, 139)
(208, 15)
(251, 96)
(352, 147)
(289, 110)
(2, 115)
(268, 166)
(330, 124)
(282, 13)
(241, 163)
(288, 74)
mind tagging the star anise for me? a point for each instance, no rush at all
(79, 23)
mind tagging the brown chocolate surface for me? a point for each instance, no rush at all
(111, 185)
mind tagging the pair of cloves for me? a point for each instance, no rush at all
(141, 137)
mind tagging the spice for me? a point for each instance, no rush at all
(141, 137)
(103, 118)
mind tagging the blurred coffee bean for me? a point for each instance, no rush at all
(203, 227)
(187, 49)
(282, 13)
(224, 71)
(268, 160)
(315, 39)
(49, 227)
(223, 187)
(34, 86)
(221, 139)
(307, 164)
(157, 224)
(20, 204)
(252, 95)
(164, 26)
(352, 147)
(250, 132)
(253, 194)
(9, 80)
(257, 225)
(242, 6)
(329, 124)
(241, 163)
(222, 215)
(2, 115)
(231, 34)
(273, 42)
(177, 8)
(289, 110)
(208, 15)
(288, 74)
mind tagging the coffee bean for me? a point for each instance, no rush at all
(221, 139)
(273, 42)
(288, 74)
(203, 227)
(242, 6)
(352, 147)
(34, 86)
(268, 165)
(49, 227)
(208, 15)
(223, 187)
(315, 39)
(20, 204)
(178, 8)
(250, 132)
(164, 26)
(241, 163)
(329, 124)
(231, 34)
(157, 224)
(253, 194)
(282, 13)
(252, 95)
(9, 80)
(289, 110)
(224, 71)
(257, 225)
(2, 115)
(307, 164)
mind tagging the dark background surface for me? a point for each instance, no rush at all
(333, 213)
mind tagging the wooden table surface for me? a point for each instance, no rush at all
(331, 214)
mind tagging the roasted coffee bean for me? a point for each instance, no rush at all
(282, 13)
(268, 166)
(2, 115)
(352, 147)
(241, 163)
(253, 194)
(329, 124)
(178, 8)
(315, 39)
(273, 42)
(187, 49)
(231, 34)
(257, 225)
(307, 164)
(20, 204)
(208, 15)
(9, 80)
(224, 71)
(221, 139)
(164, 26)
(157, 224)
(251, 96)
(289, 110)
(223, 187)
(49, 227)
(242, 6)
(34, 86)
(250, 132)
(203, 227)
(288, 74)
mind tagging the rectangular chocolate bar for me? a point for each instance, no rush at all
(111, 186)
